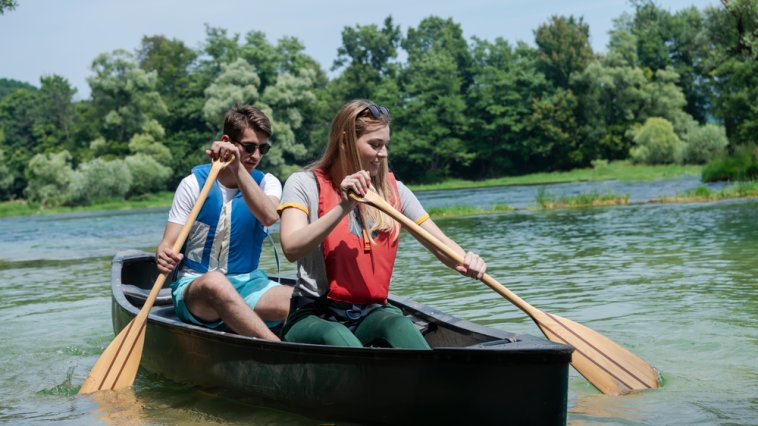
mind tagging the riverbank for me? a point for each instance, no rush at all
(22, 208)
(617, 170)
(620, 171)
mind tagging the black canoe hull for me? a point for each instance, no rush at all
(473, 375)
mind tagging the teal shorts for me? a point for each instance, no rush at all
(250, 286)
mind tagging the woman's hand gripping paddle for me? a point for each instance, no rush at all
(117, 366)
(607, 365)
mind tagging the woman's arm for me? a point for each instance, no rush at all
(473, 265)
(298, 237)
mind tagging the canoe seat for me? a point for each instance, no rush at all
(421, 325)
(137, 295)
(165, 312)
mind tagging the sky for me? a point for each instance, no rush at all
(42, 37)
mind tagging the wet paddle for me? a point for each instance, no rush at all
(608, 366)
(117, 366)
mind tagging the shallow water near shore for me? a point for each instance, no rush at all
(674, 283)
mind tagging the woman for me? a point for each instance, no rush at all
(345, 251)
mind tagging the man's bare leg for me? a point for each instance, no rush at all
(212, 297)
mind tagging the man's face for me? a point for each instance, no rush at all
(254, 142)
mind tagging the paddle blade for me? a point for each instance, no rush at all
(117, 366)
(607, 365)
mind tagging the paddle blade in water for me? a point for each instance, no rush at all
(117, 366)
(607, 365)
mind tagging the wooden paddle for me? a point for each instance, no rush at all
(117, 366)
(607, 365)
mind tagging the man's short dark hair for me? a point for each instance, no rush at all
(241, 117)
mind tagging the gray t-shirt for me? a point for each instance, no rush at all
(301, 192)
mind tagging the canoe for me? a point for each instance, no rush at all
(472, 375)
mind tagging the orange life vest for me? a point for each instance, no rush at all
(358, 272)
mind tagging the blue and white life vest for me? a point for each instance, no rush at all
(225, 237)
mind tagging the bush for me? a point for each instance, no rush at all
(657, 143)
(705, 143)
(100, 180)
(148, 175)
(48, 177)
(742, 165)
(6, 175)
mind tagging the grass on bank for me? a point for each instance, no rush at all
(602, 170)
(701, 193)
(466, 210)
(23, 208)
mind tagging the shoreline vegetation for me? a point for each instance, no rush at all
(619, 170)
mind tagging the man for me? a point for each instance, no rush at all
(218, 281)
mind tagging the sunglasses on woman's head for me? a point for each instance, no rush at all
(378, 111)
(251, 147)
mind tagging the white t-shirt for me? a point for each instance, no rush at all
(189, 189)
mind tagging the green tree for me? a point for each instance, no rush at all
(705, 143)
(431, 121)
(125, 98)
(237, 84)
(733, 30)
(8, 85)
(366, 57)
(56, 114)
(564, 48)
(7, 5)
(6, 174)
(181, 89)
(220, 48)
(554, 133)
(100, 180)
(286, 101)
(500, 102)
(614, 100)
(48, 176)
(656, 143)
(148, 143)
(147, 174)
(18, 115)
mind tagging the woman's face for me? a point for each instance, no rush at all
(372, 148)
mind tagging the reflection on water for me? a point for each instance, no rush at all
(675, 283)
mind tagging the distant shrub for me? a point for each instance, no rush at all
(148, 175)
(704, 143)
(599, 164)
(742, 165)
(100, 180)
(656, 143)
(48, 176)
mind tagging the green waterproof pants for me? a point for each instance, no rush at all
(385, 327)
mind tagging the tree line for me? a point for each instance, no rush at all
(672, 87)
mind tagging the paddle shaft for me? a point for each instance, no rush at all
(117, 366)
(216, 167)
(610, 367)
(382, 205)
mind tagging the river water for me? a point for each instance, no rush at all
(677, 284)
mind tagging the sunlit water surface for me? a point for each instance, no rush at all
(675, 283)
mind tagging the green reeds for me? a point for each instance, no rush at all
(545, 200)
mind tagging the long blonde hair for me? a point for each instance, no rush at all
(352, 121)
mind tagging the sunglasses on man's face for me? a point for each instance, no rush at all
(378, 111)
(251, 147)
